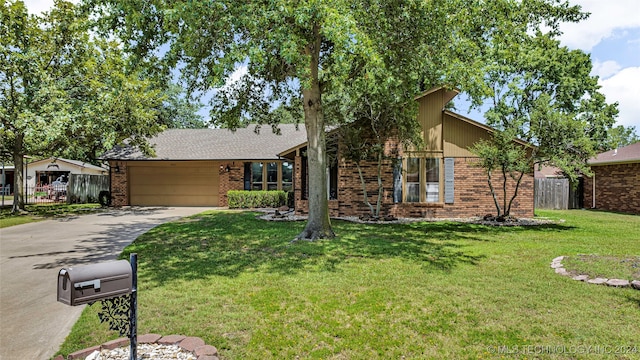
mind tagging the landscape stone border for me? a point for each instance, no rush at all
(194, 345)
(556, 264)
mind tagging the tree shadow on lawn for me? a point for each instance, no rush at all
(229, 244)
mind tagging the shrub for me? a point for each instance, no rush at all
(242, 199)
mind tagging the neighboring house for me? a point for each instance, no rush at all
(45, 172)
(196, 167)
(615, 185)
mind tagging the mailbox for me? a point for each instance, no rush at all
(85, 284)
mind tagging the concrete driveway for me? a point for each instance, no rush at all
(33, 323)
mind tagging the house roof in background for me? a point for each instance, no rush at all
(217, 144)
(547, 171)
(77, 163)
(627, 154)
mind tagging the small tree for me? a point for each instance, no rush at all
(545, 96)
(504, 155)
(378, 115)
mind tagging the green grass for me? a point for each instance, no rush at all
(413, 291)
(42, 212)
(609, 267)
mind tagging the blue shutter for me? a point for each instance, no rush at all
(448, 180)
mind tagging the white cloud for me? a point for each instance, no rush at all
(605, 18)
(624, 87)
(605, 69)
(38, 6)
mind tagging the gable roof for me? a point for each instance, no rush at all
(80, 164)
(627, 154)
(216, 144)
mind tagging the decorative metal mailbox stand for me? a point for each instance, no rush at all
(113, 283)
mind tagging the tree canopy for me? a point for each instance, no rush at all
(543, 94)
(306, 51)
(64, 92)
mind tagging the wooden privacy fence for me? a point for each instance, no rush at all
(557, 194)
(83, 189)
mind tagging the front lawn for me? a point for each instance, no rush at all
(41, 212)
(414, 291)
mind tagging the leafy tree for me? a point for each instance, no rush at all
(64, 93)
(374, 115)
(543, 95)
(178, 111)
(620, 136)
(305, 50)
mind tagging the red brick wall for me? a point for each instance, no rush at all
(119, 184)
(617, 188)
(472, 196)
(231, 180)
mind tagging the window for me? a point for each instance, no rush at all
(432, 180)
(413, 180)
(256, 176)
(332, 181)
(422, 181)
(274, 175)
(287, 176)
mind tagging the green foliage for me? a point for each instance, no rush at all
(620, 136)
(426, 290)
(544, 95)
(66, 92)
(507, 157)
(178, 111)
(258, 53)
(243, 199)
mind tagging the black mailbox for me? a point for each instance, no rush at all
(88, 283)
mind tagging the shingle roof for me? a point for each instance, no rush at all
(627, 154)
(217, 144)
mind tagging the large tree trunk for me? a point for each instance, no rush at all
(318, 224)
(18, 178)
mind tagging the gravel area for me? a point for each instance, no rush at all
(144, 352)
(272, 215)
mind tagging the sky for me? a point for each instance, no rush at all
(611, 35)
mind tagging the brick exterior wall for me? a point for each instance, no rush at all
(231, 180)
(471, 191)
(472, 195)
(617, 188)
(119, 186)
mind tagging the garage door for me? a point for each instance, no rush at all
(192, 183)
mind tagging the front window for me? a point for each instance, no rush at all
(287, 176)
(269, 176)
(432, 180)
(256, 176)
(272, 176)
(422, 180)
(413, 180)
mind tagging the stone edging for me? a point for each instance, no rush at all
(193, 345)
(556, 264)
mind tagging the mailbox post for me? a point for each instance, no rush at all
(110, 282)
(133, 318)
